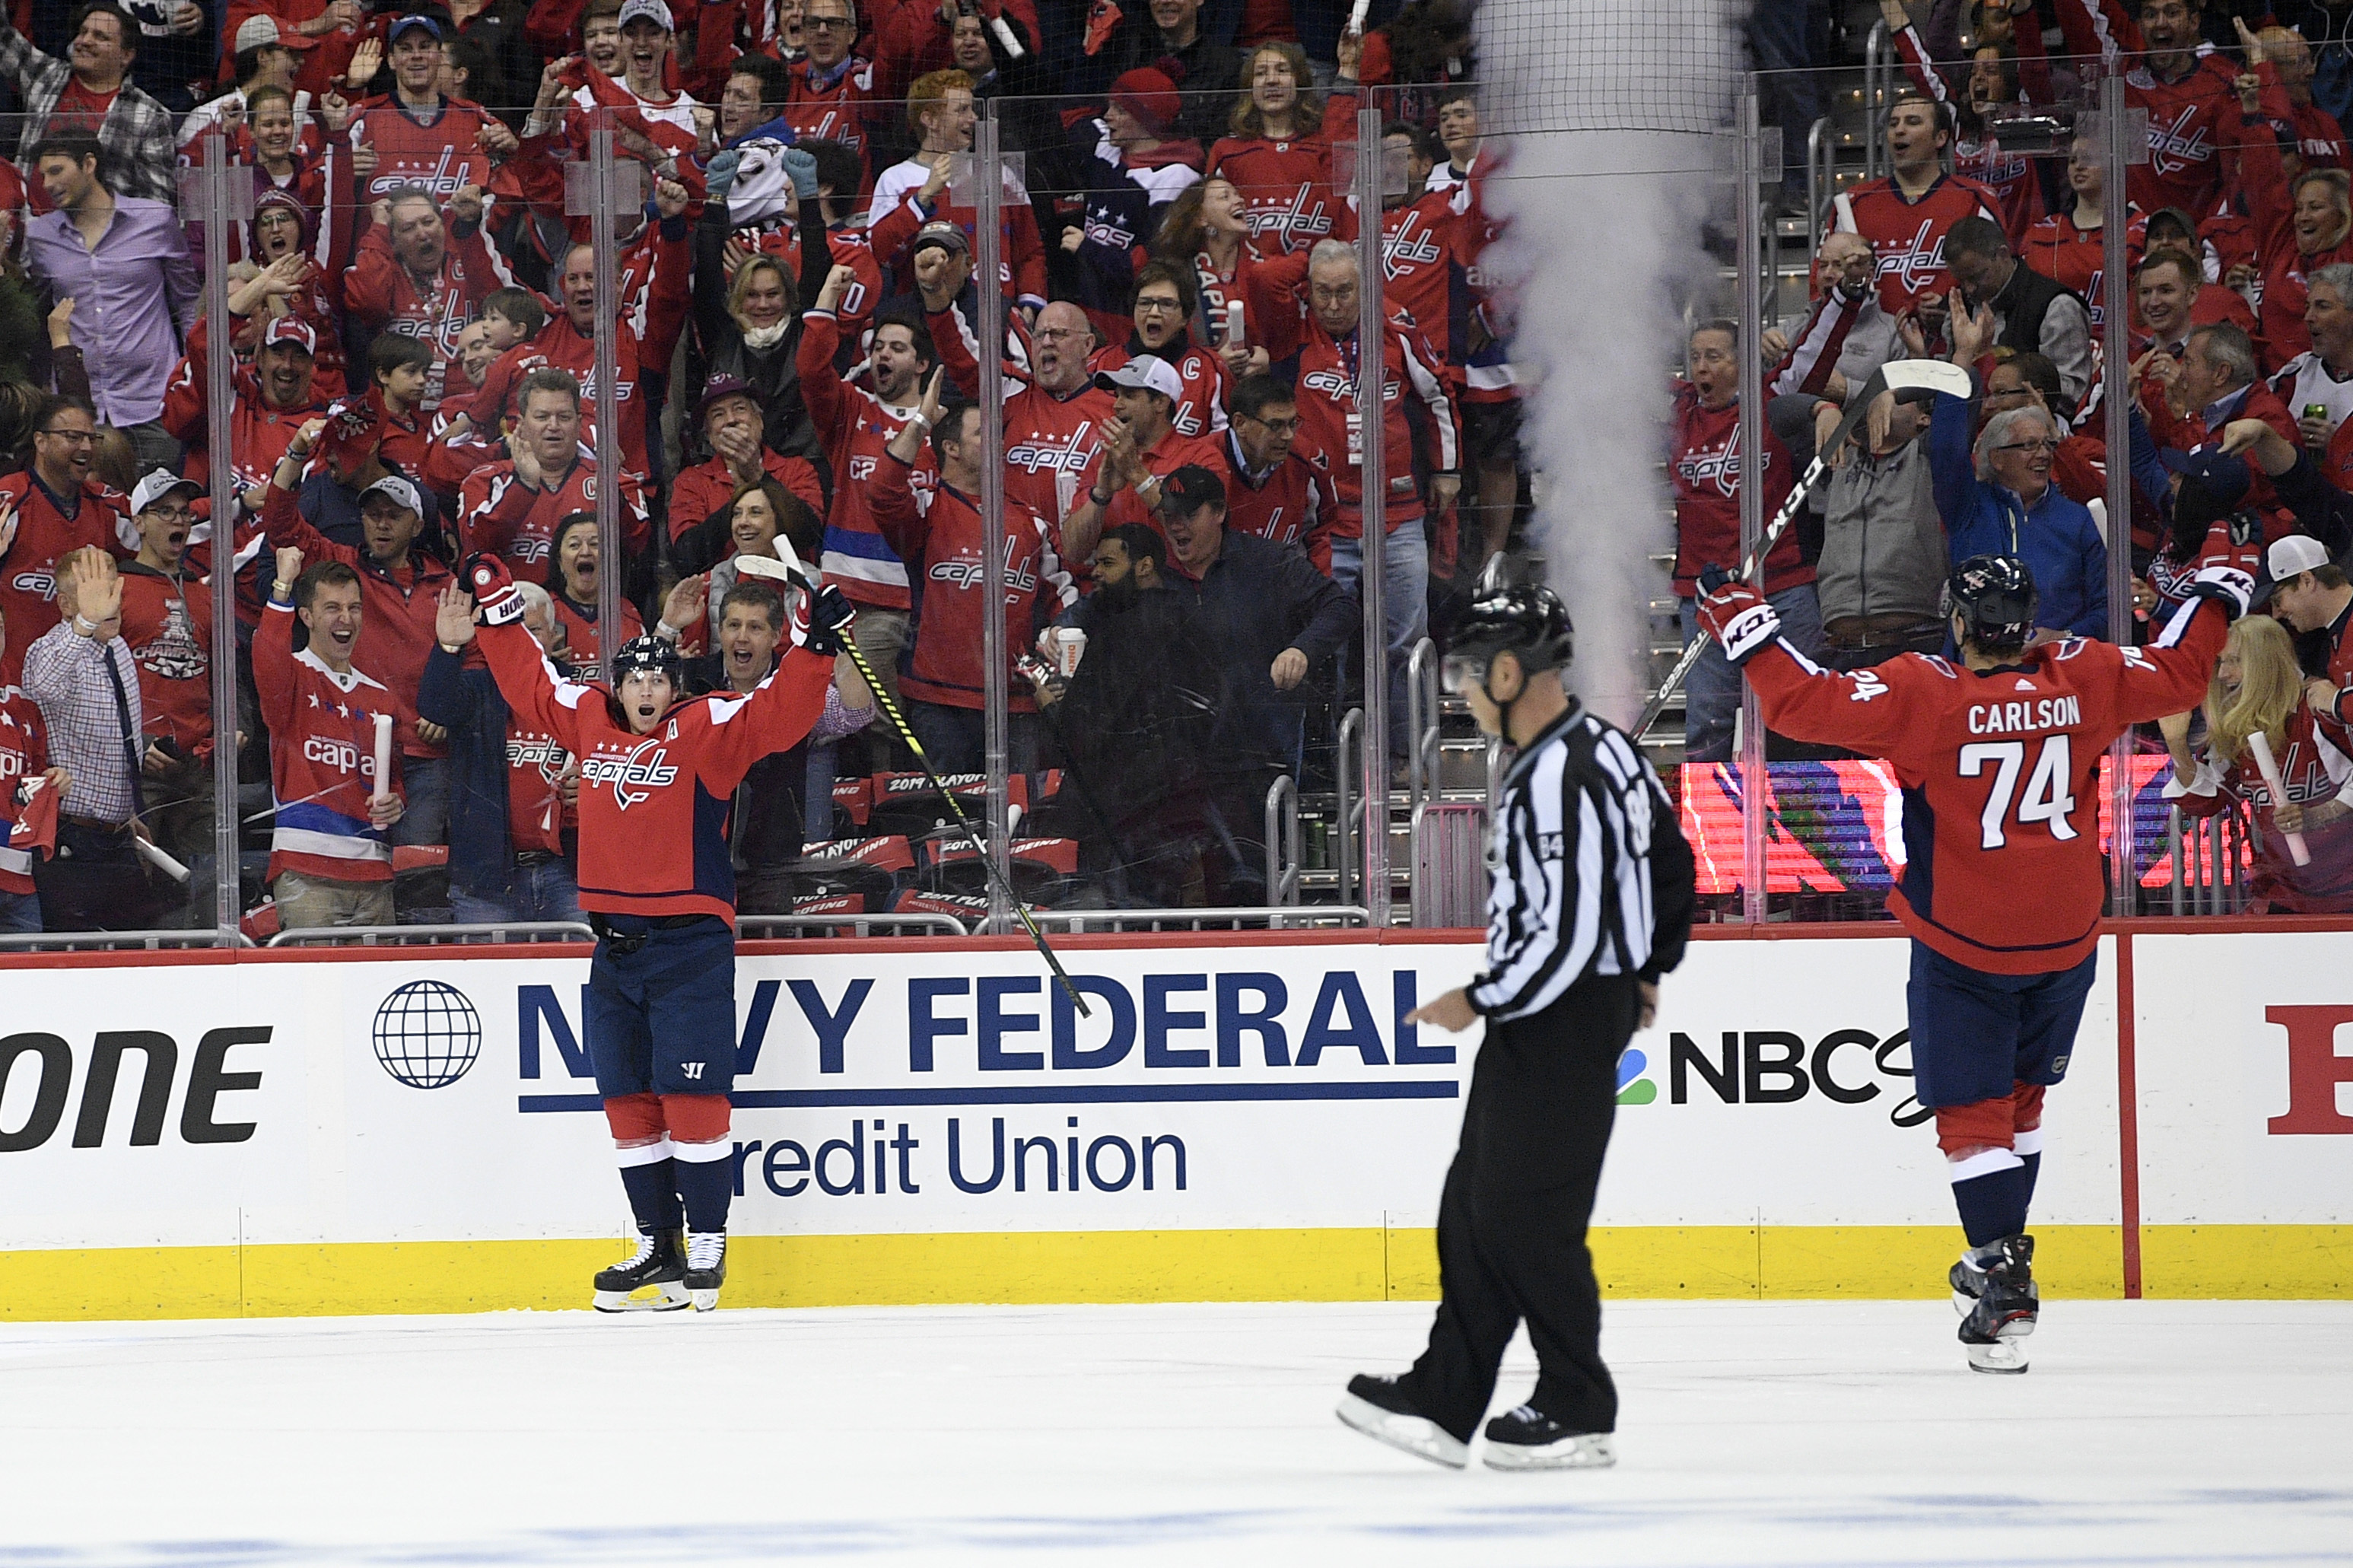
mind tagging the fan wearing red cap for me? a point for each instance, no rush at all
(270, 399)
(1137, 160)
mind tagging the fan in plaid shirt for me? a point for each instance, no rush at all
(135, 135)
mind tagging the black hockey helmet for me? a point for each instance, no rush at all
(1529, 619)
(1995, 597)
(649, 656)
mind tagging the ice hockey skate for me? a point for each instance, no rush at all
(660, 1264)
(1379, 1409)
(2002, 1309)
(1525, 1439)
(706, 1267)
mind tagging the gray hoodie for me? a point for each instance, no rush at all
(1882, 544)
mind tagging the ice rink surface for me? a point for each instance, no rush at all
(1783, 1433)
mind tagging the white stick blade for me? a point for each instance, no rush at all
(1936, 374)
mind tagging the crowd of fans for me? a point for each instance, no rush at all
(413, 315)
(2238, 316)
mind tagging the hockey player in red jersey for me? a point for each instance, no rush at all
(658, 772)
(1998, 755)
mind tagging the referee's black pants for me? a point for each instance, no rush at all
(1511, 1224)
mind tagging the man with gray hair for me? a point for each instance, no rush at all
(1997, 499)
(2316, 386)
(2187, 402)
(2003, 301)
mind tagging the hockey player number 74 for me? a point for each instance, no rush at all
(2046, 799)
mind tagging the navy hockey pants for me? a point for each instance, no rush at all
(662, 1011)
(1975, 1034)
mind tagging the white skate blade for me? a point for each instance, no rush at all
(2005, 1356)
(1416, 1435)
(703, 1300)
(669, 1298)
(1586, 1451)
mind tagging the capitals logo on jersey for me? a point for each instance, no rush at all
(1339, 385)
(542, 751)
(1915, 263)
(1719, 465)
(1413, 245)
(1296, 218)
(1037, 453)
(634, 768)
(964, 571)
(2173, 149)
(444, 176)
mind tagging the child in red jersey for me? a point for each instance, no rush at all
(657, 776)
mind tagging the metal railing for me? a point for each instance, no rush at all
(1821, 172)
(1421, 724)
(434, 935)
(116, 941)
(2212, 862)
(1347, 810)
(1284, 858)
(1449, 863)
(1236, 917)
(1879, 70)
(759, 927)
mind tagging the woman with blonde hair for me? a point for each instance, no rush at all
(2257, 688)
(1280, 154)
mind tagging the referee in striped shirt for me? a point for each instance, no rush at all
(1592, 902)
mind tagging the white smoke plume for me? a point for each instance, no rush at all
(1607, 116)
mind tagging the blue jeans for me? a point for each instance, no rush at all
(1712, 690)
(425, 796)
(20, 914)
(542, 890)
(1405, 607)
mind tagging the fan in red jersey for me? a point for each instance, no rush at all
(511, 508)
(2069, 246)
(30, 791)
(830, 95)
(2193, 117)
(1163, 303)
(2303, 225)
(1280, 155)
(1995, 76)
(50, 510)
(425, 276)
(1273, 488)
(658, 779)
(1906, 215)
(1055, 415)
(418, 136)
(1998, 754)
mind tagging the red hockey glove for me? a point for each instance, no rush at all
(2227, 571)
(1741, 618)
(494, 590)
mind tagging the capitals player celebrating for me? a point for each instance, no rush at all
(658, 771)
(1998, 754)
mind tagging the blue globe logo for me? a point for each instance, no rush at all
(427, 1033)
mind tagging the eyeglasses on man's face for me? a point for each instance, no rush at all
(2039, 444)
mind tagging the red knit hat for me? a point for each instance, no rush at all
(1150, 97)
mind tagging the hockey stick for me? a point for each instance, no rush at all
(789, 570)
(1896, 375)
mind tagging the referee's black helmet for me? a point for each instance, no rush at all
(1527, 618)
(1995, 597)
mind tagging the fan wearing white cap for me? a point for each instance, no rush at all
(398, 586)
(645, 29)
(2311, 594)
(1141, 447)
(167, 624)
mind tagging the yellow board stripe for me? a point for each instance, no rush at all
(1038, 1267)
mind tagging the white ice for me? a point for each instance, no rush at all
(1752, 1433)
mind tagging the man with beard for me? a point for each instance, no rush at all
(50, 508)
(1135, 721)
(2193, 116)
(271, 398)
